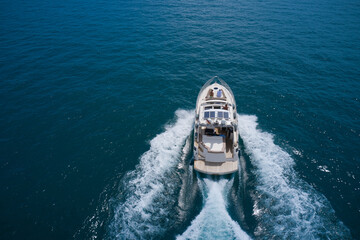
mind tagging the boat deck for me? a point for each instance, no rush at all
(216, 168)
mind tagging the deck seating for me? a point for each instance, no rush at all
(214, 144)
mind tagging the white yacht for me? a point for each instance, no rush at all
(216, 136)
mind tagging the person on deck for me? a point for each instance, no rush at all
(211, 94)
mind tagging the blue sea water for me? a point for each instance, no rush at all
(96, 112)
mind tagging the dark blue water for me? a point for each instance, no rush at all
(96, 111)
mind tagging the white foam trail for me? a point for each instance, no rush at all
(286, 207)
(147, 190)
(214, 222)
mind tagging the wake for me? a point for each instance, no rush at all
(214, 222)
(285, 206)
(149, 191)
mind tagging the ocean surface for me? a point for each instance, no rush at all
(97, 104)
